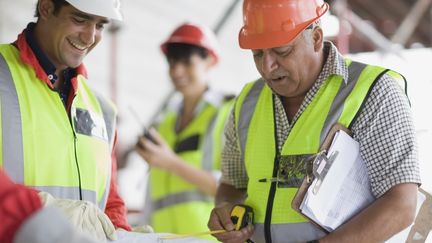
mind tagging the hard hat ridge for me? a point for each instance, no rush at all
(272, 23)
(105, 8)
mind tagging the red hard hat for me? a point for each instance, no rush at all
(194, 34)
(272, 23)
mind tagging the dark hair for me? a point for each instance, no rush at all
(183, 52)
(57, 5)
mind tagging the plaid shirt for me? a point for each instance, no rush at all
(384, 128)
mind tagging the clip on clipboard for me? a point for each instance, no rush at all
(320, 166)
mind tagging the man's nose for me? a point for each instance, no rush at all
(88, 36)
(269, 61)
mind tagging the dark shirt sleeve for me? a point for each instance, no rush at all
(17, 204)
(115, 208)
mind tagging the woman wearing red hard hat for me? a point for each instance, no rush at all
(185, 158)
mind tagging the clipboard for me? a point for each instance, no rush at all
(307, 181)
(418, 232)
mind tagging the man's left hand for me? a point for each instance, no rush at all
(84, 215)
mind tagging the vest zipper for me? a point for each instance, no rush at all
(70, 118)
(272, 192)
(75, 150)
(77, 165)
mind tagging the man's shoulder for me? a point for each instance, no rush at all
(255, 84)
(387, 80)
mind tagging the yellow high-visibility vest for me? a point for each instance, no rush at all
(179, 207)
(336, 101)
(41, 146)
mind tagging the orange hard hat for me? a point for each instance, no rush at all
(272, 23)
(194, 34)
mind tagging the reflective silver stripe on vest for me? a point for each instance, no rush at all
(288, 233)
(109, 115)
(103, 202)
(208, 146)
(246, 113)
(110, 124)
(182, 197)
(13, 151)
(354, 71)
(68, 192)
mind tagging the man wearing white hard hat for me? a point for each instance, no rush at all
(57, 135)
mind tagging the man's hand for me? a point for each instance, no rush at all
(143, 229)
(220, 218)
(84, 215)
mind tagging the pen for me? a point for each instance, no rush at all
(273, 179)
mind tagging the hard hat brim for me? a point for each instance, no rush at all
(164, 47)
(194, 34)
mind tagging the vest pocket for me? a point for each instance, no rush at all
(90, 124)
(188, 144)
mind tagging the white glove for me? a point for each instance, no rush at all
(84, 215)
(143, 229)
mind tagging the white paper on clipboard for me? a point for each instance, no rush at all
(344, 191)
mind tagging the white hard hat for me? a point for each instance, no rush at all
(105, 8)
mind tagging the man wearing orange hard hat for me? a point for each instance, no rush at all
(306, 87)
(185, 152)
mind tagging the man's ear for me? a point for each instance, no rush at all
(45, 8)
(318, 38)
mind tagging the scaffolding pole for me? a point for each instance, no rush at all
(411, 21)
(365, 29)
